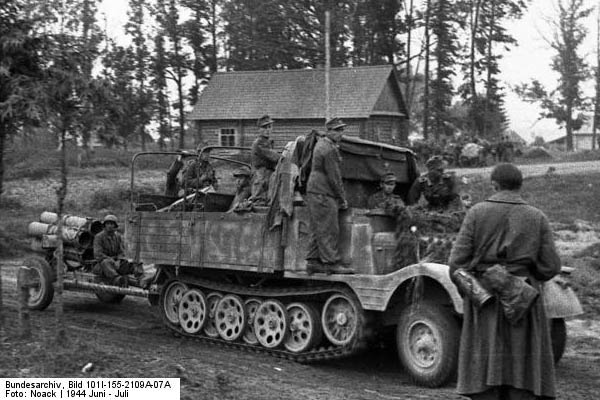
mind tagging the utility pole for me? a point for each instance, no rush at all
(327, 61)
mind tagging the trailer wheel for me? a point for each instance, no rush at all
(42, 291)
(427, 338)
(558, 334)
(110, 298)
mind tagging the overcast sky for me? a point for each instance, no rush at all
(530, 59)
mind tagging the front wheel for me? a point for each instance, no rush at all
(41, 291)
(427, 339)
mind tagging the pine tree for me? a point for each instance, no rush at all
(563, 102)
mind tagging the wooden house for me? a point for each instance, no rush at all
(368, 99)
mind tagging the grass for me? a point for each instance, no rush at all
(564, 198)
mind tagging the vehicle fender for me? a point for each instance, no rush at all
(376, 291)
(560, 300)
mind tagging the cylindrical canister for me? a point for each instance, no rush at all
(72, 221)
(38, 228)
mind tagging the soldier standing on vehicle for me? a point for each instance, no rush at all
(325, 196)
(499, 359)
(264, 161)
(242, 190)
(199, 174)
(439, 188)
(386, 198)
(109, 253)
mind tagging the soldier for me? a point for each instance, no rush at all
(242, 185)
(173, 185)
(199, 174)
(498, 359)
(385, 198)
(264, 160)
(109, 253)
(325, 195)
(438, 187)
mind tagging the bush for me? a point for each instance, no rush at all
(537, 153)
(113, 199)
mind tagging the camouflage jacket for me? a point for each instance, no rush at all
(198, 175)
(441, 195)
(263, 155)
(389, 202)
(108, 246)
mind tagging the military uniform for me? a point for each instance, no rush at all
(243, 191)
(198, 175)
(495, 355)
(441, 195)
(264, 160)
(389, 202)
(109, 252)
(324, 195)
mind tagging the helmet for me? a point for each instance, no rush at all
(110, 218)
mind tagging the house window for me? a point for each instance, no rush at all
(227, 137)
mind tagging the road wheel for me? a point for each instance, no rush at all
(341, 319)
(305, 327)
(271, 323)
(558, 334)
(251, 306)
(427, 339)
(41, 292)
(230, 317)
(170, 297)
(210, 327)
(192, 311)
(110, 298)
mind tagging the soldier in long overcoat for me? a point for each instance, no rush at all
(497, 359)
(325, 196)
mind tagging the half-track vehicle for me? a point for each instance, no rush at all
(240, 279)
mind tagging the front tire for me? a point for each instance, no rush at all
(42, 293)
(427, 340)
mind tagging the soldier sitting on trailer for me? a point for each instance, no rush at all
(199, 174)
(242, 191)
(109, 253)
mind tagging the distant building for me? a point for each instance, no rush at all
(582, 140)
(368, 99)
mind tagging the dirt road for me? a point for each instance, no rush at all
(539, 169)
(128, 340)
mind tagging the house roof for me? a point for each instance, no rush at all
(293, 94)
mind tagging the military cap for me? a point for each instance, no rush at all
(110, 218)
(334, 123)
(388, 177)
(264, 121)
(434, 162)
(242, 171)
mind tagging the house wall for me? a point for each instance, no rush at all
(283, 130)
(386, 129)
